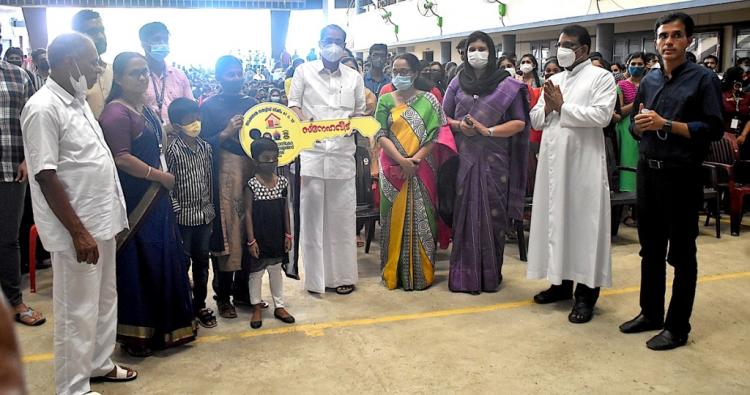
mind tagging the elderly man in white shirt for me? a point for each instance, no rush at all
(79, 209)
(322, 90)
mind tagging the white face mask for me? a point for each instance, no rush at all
(510, 70)
(526, 68)
(478, 59)
(566, 57)
(332, 52)
(80, 86)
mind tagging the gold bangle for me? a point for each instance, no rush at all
(148, 173)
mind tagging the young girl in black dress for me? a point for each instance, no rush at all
(268, 233)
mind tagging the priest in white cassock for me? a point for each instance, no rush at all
(322, 90)
(570, 221)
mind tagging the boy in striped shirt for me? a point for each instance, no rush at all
(189, 158)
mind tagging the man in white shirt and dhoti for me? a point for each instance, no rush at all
(323, 90)
(79, 208)
(570, 221)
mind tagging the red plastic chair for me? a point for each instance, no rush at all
(33, 235)
(725, 155)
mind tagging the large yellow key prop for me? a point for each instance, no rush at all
(292, 135)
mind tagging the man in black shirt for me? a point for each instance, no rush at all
(679, 114)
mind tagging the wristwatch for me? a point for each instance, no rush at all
(490, 131)
(667, 126)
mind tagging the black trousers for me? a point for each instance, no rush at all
(230, 284)
(195, 245)
(12, 196)
(668, 204)
(582, 292)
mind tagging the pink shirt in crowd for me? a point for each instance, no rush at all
(176, 85)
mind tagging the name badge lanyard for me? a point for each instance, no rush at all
(157, 95)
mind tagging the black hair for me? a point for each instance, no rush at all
(676, 16)
(508, 58)
(461, 45)
(150, 29)
(551, 60)
(180, 108)
(599, 58)
(293, 67)
(636, 55)
(35, 54)
(224, 63)
(350, 59)
(349, 53)
(732, 75)
(333, 27)
(649, 56)
(118, 69)
(619, 66)
(742, 60)
(535, 71)
(81, 17)
(580, 33)
(274, 90)
(414, 63)
(484, 37)
(261, 145)
(691, 57)
(712, 57)
(13, 51)
(378, 47)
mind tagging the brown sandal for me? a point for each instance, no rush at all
(226, 310)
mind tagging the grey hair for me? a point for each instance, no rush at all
(65, 45)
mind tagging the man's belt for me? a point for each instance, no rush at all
(658, 164)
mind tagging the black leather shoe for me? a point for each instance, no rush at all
(666, 340)
(256, 324)
(288, 319)
(554, 294)
(641, 324)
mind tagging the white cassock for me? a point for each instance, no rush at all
(328, 197)
(570, 220)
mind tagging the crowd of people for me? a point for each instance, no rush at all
(137, 177)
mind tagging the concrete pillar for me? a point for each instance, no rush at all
(446, 50)
(36, 26)
(509, 44)
(279, 29)
(359, 6)
(328, 6)
(605, 40)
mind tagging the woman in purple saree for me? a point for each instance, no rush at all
(489, 112)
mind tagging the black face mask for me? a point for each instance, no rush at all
(16, 63)
(43, 66)
(267, 167)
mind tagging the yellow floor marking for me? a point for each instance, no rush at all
(316, 330)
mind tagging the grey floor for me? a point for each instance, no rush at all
(381, 341)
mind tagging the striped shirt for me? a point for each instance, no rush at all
(192, 198)
(15, 90)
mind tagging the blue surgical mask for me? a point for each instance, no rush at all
(159, 51)
(636, 71)
(401, 82)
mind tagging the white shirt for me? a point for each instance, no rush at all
(570, 224)
(60, 133)
(322, 95)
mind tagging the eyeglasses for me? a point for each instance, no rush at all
(402, 72)
(329, 41)
(568, 45)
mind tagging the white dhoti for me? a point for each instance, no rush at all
(327, 232)
(85, 308)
